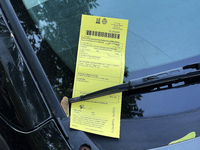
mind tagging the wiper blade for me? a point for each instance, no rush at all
(149, 83)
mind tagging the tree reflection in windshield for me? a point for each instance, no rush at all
(129, 107)
(56, 44)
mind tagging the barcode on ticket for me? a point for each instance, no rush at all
(103, 34)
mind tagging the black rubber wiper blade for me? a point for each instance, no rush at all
(150, 83)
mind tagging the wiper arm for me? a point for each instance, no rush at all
(149, 83)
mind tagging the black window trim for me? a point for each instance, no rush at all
(31, 59)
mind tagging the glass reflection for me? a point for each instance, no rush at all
(61, 30)
(55, 41)
(21, 103)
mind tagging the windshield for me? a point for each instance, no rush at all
(161, 35)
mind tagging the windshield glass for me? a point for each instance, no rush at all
(157, 32)
(161, 35)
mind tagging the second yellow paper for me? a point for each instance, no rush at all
(100, 64)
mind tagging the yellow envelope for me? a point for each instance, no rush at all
(100, 64)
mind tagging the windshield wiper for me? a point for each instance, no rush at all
(160, 81)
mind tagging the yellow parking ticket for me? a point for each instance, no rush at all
(100, 64)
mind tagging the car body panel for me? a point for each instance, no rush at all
(41, 139)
